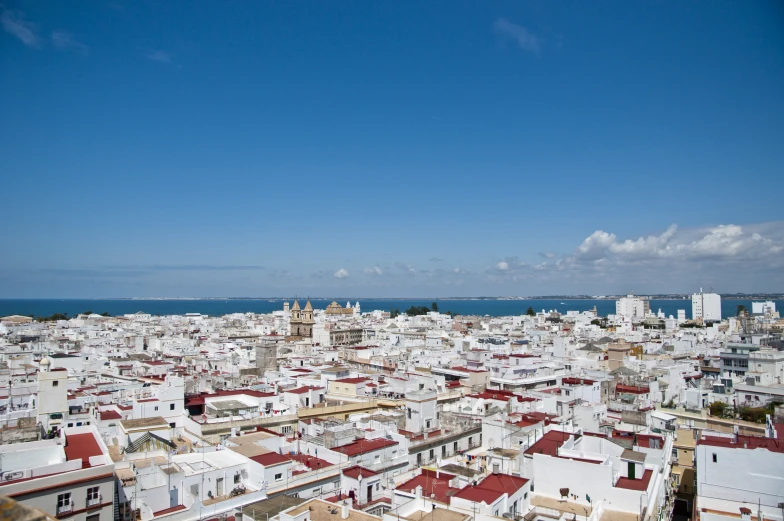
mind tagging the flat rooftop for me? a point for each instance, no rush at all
(443, 514)
(264, 510)
(228, 405)
(321, 510)
(144, 423)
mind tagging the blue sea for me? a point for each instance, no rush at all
(46, 307)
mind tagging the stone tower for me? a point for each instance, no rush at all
(295, 321)
(266, 358)
(307, 320)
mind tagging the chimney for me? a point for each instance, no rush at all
(344, 511)
(418, 491)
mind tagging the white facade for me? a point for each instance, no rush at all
(706, 306)
(763, 308)
(729, 478)
(630, 307)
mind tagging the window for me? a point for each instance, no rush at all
(70, 424)
(378, 486)
(432, 453)
(237, 478)
(427, 424)
(279, 477)
(525, 496)
(443, 450)
(171, 406)
(93, 496)
(93, 517)
(64, 503)
(715, 459)
(172, 425)
(55, 383)
(156, 407)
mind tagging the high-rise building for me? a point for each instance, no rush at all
(632, 307)
(706, 307)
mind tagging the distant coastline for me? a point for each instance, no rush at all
(662, 296)
(460, 306)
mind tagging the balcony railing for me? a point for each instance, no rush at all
(63, 509)
(93, 501)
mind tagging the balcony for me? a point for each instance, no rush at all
(64, 509)
(94, 501)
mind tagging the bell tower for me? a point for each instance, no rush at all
(295, 322)
(307, 320)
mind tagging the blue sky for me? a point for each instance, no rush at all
(390, 148)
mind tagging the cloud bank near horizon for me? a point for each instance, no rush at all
(727, 257)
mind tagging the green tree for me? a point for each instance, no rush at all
(741, 310)
(417, 310)
(394, 312)
(105, 314)
(434, 306)
(530, 312)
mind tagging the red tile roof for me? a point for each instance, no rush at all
(312, 462)
(269, 459)
(748, 442)
(81, 446)
(110, 415)
(503, 483)
(635, 484)
(303, 390)
(577, 381)
(364, 446)
(549, 443)
(168, 510)
(478, 494)
(631, 389)
(438, 486)
(356, 470)
(352, 380)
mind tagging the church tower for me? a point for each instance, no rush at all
(295, 322)
(307, 320)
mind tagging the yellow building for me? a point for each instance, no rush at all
(682, 474)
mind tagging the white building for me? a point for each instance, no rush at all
(632, 307)
(70, 476)
(706, 306)
(740, 475)
(763, 308)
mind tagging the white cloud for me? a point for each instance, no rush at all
(160, 56)
(64, 41)
(517, 33)
(730, 257)
(407, 268)
(14, 23)
(374, 270)
(342, 273)
(595, 246)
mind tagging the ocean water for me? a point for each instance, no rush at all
(46, 307)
